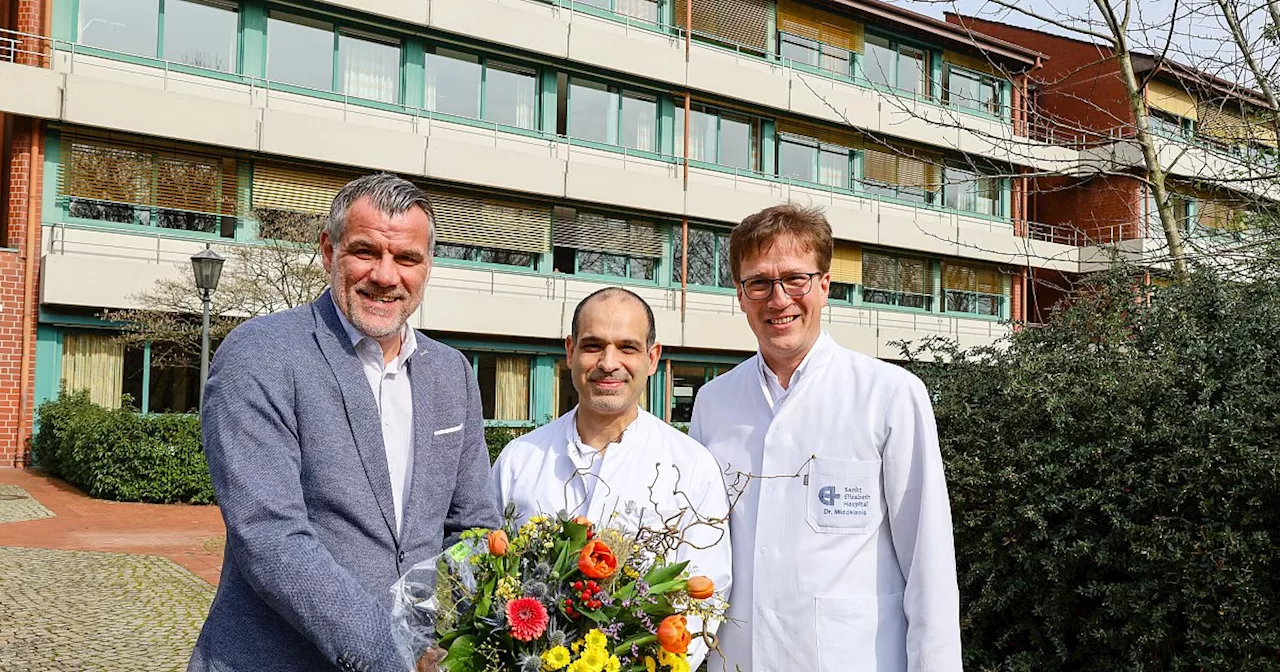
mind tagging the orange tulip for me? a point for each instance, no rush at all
(597, 561)
(582, 520)
(497, 543)
(672, 634)
(700, 588)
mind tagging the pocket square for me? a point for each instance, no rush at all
(441, 432)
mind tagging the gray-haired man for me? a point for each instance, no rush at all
(345, 447)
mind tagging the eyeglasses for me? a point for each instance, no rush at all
(794, 284)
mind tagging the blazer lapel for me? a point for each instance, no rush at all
(425, 415)
(357, 399)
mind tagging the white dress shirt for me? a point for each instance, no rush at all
(652, 475)
(843, 559)
(393, 394)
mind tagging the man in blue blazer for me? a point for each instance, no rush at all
(345, 447)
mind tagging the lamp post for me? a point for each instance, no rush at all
(208, 268)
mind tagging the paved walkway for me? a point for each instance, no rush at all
(100, 585)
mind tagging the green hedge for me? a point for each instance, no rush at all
(120, 454)
(1115, 485)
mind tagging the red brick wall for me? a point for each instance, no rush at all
(1077, 84)
(24, 169)
(1105, 208)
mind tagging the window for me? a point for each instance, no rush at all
(891, 65)
(467, 85)
(815, 53)
(708, 258)
(721, 138)
(95, 361)
(972, 90)
(596, 244)
(895, 173)
(808, 160)
(133, 184)
(487, 255)
(128, 26)
(977, 290)
(842, 291)
(1168, 125)
(686, 381)
(970, 191)
(644, 10)
(504, 384)
(453, 83)
(369, 67)
(896, 281)
(611, 116)
(201, 33)
(300, 51)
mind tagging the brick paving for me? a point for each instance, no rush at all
(16, 505)
(82, 610)
(97, 585)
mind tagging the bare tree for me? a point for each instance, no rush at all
(280, 272)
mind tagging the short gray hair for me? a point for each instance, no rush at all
(390, 194)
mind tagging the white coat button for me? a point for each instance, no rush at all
(764, 550)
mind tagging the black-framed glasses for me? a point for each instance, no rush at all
(794, 284)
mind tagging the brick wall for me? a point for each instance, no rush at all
(1105, 208)
(23, 170)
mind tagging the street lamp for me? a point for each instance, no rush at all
(208, 268)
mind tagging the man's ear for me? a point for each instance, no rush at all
(655, 357)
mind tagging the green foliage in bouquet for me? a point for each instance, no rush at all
(557, 594)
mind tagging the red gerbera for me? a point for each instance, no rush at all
(528, 618)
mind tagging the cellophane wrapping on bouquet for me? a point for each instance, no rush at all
(554, 594)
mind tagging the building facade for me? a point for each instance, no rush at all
(567, 146)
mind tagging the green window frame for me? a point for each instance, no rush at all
(490, 68)
(344, 36)
(994, 107)
(648, 12)
(963, 190)
(164, 10)
(805, 51)
(714, 121)
(899, 48)
(831, 165)
(486, 255)
(891, 280)
(623, 128)
(486, 366)
(713, 243)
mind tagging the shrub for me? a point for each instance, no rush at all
(498, 437)
(1113, 481)
(121, 455)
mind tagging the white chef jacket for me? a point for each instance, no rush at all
(848, 563)
(652, 475)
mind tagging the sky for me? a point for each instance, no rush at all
(1199, 36)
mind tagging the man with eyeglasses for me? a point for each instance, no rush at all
(840, 523)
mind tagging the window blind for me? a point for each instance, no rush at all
(612, 235)
(744, 22)
(819, 25)
(109, 170)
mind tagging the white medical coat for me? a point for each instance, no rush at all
(653, 476)
(849, 563)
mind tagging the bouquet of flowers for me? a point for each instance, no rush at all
(555, 594)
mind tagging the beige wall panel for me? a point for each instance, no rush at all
(718, 330)
(28, 91)
(105, 104)
(627, 188)
(528, 25)
(832, 101)
(499, 315)
(411, 11)
(449, 158)
(720, 198)
(616, 46)
(918, 230)
(78, 280)
(346, 144)
(858, 338)
(742, 78)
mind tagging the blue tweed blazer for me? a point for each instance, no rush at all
(294, 443)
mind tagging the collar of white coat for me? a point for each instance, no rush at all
(583, 454)
(408, 343)
(824, 343)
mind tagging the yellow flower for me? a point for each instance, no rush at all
(594, 659)
(630, 572)
(577, 666)
(537, 519)
(676, 662)
(596, 639)
(649, 665)
(613, 664)
(508, 588)
(555, 658)
(576, 646)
